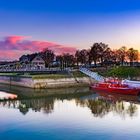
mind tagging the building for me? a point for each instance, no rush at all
(37, 62)
(32, 61)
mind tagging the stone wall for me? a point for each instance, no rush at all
(17, 80)
(45, 83)
(64, 82)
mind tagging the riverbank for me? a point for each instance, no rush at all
(121, 72)
(45, 82)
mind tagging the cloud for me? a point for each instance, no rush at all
(13, 47)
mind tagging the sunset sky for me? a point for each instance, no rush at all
(28, 26)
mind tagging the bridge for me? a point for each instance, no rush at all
(35, 71)
(86, 71)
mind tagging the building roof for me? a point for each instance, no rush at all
(29, 57)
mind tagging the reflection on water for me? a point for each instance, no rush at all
(74, 113)
(99, 104)
(101, 107)
(47, 105)
(41, 99)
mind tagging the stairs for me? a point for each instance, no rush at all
(91, 74)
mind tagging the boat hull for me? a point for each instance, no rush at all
(127, 91)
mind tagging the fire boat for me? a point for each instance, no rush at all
(112, 85)
(115, 88)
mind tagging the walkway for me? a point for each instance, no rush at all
(91, 74)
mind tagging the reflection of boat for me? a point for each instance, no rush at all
(119, 97)
(5, 95)
(115, 88)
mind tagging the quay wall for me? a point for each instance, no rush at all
(17, 81)
(45, 83)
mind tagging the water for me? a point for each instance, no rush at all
(68, 114)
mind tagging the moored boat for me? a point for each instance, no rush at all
(115, 88)
(6, 95)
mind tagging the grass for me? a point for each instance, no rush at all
(49, 76)
(15, 75)
(46, 76)
(78, 74)
(37, 76)
(58, 76)
(124, 72)
(8, 74)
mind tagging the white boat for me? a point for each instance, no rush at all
(130, 83)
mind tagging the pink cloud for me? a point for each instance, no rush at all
(11, 45)
(14, 39)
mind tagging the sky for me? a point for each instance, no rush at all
(28, 26)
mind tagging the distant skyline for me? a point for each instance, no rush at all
(66, 25)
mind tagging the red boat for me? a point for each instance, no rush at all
(115, 88)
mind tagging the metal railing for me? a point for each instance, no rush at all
(91, 74)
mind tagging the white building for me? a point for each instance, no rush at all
(37, 62)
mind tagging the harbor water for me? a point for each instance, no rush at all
(68, 114)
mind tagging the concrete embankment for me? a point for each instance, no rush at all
(45, 83)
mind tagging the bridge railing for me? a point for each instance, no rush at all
(91, 74)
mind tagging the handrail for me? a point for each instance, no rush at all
(91, 74)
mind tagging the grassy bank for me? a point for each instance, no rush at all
(123, 72)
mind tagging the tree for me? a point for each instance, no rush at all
(94, 51)
(108, 57)
(89, 57)
(59, 59)
(103, 52)
(69, 60)
(65, 60)
(113, 56)
(121, 54)
(98, 52)
(77, 57)
(82, 56)
(132, 55)
(48, 56)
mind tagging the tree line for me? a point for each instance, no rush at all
(98, 53)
